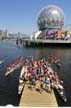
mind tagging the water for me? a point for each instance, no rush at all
(8, 86)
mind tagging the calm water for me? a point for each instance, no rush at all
(8, 86)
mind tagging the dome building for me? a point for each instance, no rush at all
(50, 20)
(51, 17)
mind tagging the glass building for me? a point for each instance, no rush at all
(51, 17)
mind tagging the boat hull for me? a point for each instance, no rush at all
(14, 68)
(20, 88)
(1, 62)
(21, 81)
(62, 95)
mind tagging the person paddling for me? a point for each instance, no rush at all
(41, 84)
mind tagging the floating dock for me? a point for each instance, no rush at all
(33, 98)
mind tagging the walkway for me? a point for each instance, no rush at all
(33, 98)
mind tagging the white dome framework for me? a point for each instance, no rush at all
(51, 17)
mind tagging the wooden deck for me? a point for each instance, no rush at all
(33, 98)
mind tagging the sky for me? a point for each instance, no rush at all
(21, 15)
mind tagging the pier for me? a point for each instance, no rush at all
(46, 42)
(32, 98)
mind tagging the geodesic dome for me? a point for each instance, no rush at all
(51, 17)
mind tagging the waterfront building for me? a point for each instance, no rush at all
(51, 17)
(1, 33)
(12, 35)
(50, 20)
(6, 33)
(19, 34)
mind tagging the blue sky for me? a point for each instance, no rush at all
(21, 15)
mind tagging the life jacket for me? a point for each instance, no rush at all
(33, 81)
(47, 81)
(38, 70)
(30, 77)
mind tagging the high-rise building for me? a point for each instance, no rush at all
(18, 34)
(1, 33)
(6, 33)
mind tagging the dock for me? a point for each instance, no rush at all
(33, 98)
(45, 42)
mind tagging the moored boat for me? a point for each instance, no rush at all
(15, 65)
(58, 64)
(1, 61)
(55, 60)
(59, 88)
(21, 81)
